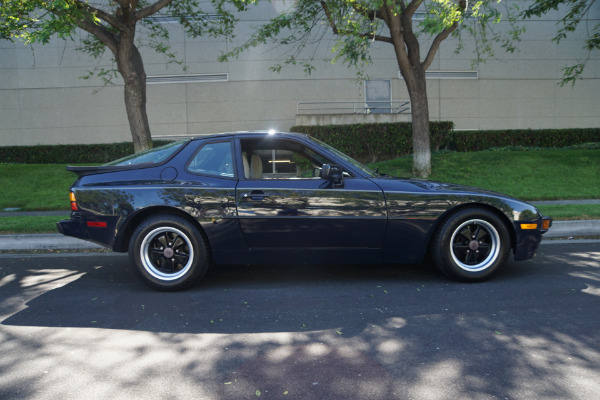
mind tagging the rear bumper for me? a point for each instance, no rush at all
(79, 229)
(72, 227)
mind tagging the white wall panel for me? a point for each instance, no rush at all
(43, 99)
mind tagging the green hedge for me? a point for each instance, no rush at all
(557, 138)
(373, 142)
(365, 142)
(67, 153)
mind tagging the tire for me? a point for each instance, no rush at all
(471, 245)
(169, 252)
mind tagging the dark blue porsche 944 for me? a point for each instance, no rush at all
(263, 197)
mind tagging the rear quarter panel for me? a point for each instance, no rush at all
(124, 199)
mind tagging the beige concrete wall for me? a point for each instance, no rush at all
(43, 100)
(345, 119)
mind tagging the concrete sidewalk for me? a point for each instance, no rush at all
(44, 241)
(55, 241)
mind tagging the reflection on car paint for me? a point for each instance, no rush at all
(258, 197)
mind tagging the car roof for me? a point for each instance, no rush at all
(257, 133)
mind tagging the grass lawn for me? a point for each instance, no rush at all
(35, 187)
(19, 225)
(529, 175)
(572, 211)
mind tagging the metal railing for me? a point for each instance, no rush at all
(353, 107)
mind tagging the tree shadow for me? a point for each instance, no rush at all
(339, 332)
(105, 292)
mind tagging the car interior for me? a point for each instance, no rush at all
(280, 159)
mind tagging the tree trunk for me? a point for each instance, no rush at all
(129, 60)
(131, 67)
(417, 91)
(408, 56)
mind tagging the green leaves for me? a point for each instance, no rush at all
(37, 21)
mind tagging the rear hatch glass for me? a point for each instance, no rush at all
(153, 156)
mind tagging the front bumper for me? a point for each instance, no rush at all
(528, 237)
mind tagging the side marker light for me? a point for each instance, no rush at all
(96, 224)
(529, 226)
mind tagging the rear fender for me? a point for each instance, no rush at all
(126, 227)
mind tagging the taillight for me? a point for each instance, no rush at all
(73, 202)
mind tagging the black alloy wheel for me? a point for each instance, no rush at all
(471, 245)
(169, 252)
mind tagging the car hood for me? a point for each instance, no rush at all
(450, 194)
(421, 185)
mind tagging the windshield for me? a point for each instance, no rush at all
(345, 157)
(152, 156)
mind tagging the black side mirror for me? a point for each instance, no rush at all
(333, 173)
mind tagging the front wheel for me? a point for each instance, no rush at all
(471, 245)
(169, 252)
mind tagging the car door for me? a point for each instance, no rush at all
(283, 203)
(205, 189)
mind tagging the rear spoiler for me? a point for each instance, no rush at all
(100, 169)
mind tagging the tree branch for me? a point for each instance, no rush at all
(378, 38)
(343, 32)
(364, 11)
(329, 17)
(436, 45)
(396, 28)
(412, 7)
(87, 24)
(152, 9)
(123, 3)
(462, 6)
(100, 32)
(103, 15)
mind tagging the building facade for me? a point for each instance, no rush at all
(43, 100)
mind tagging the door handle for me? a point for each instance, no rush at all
(256, 195)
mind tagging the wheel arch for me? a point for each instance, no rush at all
(121, 242)
(501, 215)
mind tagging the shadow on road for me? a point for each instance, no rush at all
(335, 332)
(105, 292)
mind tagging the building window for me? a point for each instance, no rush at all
(378, 96)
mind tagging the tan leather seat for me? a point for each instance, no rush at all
(256, 167)
(246, 166)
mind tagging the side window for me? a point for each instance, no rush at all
(280, 159)
(213, 159)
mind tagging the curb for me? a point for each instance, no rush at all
(46, 241)
(590, 227)
(56, 241)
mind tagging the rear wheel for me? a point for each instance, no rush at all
(169, 252)
(471, 245)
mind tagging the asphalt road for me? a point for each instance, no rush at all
(84, 326)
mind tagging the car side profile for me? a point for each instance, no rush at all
(263, 197)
